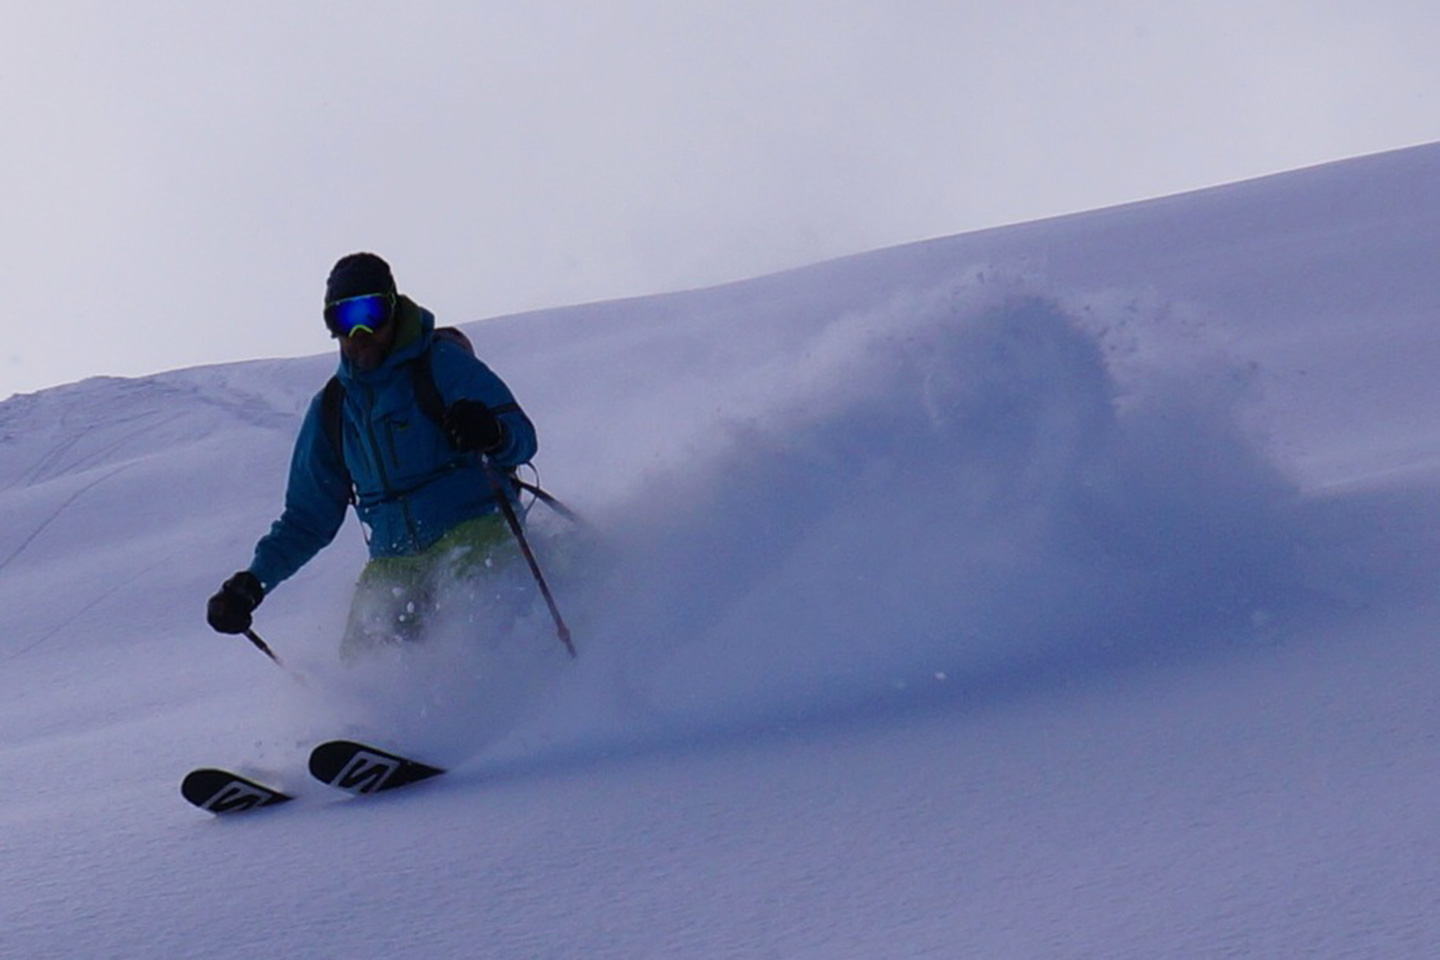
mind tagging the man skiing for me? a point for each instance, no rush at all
(424, 483)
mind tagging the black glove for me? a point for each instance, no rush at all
(229, 610)
(471, 426)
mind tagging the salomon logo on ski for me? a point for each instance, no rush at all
(359, 768)
(365, 773)
(222, 792)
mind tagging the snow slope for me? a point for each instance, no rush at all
(1061, 591)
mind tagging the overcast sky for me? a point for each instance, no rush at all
(179, 176)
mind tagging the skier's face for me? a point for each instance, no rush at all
(366, 351)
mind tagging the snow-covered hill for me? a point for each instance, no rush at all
(1056, 591)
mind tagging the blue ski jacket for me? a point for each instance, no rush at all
(410, 485)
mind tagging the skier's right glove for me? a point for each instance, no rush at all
(229, 610)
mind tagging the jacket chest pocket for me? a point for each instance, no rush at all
(384, 443)
(413, 448)
(397, 443)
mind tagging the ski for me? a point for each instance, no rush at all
(343, 764)
(362, 769)
(221, 792)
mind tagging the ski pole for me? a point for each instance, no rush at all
(262, 646)
(507, 508)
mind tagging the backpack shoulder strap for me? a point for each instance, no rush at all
(332, 400)
(422, 376)
(332, 416)
(427, 395)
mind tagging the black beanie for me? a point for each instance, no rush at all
(356, 275)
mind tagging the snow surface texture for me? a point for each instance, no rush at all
(1057, 591)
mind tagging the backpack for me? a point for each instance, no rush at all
(427, 397)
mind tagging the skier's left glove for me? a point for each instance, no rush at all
(471, 426)
(229, 610)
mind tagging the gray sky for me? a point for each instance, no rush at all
(179, 176)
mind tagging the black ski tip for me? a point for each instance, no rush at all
(361, 768)
(221, 792)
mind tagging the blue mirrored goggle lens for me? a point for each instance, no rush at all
(369, 313)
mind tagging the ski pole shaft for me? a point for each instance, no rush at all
(508, 509)
(262, 646)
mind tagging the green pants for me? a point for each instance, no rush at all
(397, 598)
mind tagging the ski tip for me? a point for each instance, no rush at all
(360, 768)
(221, 792)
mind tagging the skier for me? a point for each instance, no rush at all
(418, 479)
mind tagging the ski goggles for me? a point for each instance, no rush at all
(353, 315)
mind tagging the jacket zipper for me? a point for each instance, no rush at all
(379, 454)
(404, 500)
